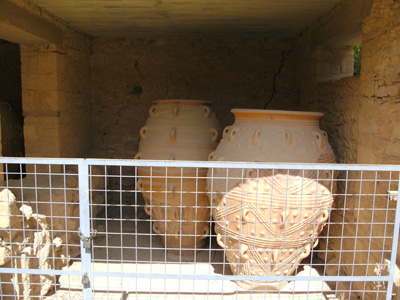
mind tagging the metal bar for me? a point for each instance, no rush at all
(84, 212)
(199, 164)
(261, 165)
(237, 277)
(371, 201)
(40, 271)
(394, 246)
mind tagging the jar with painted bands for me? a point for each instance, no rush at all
(268, 220)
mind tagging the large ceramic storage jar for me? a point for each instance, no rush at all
(175, 197)
(268, 220)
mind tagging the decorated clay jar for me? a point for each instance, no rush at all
(268, 220)
(175, 197)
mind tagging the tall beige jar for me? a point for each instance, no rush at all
(175, 197)
(268, 220)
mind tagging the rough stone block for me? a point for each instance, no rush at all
(393, 149)
(10, 219)
(41, 81)
(5, 255)
(388, 91)
(40, 100)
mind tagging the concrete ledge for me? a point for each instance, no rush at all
(343, 25)
(20, 26)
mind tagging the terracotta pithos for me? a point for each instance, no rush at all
(175, 197)
(268, 220)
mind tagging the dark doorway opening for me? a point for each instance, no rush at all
(12, 134)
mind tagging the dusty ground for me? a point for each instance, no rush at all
(132, 248)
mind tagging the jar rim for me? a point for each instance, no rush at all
(276, 114)
(181, 101)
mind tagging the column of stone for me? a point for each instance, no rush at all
(41, 79)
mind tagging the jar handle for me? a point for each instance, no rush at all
(152, 110)
(207, 111)
(172, 135)
(243, 249)
(211, 156)
(215, 135)
(140, 185)
(256, 137)
(175, 111)
(138, 155)
(232, 135)
(147, 210)
(319, 139)
(226, 130)
(288, 137)
(143, 132)
(246, 217)
(177, 234)
(205, 234)
(155, 228)
(220, 242)
(306, 252)
(324, 216)
(251, 173)
(172, 188)
(222, 158)
(177, 214)
(171, 157)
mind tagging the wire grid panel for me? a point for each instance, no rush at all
(190, 230)
(39, 221)
(222, 230)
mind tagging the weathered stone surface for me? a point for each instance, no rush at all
(10, 219)
(50, 215)
(362, 119)
(56, 81)
(127, 74)
(122, 76)
(32, 249)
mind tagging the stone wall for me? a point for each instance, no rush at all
(127, 74)
(380, 85)
(75, 119)
(56, 97)
(86, 94)
(362, 118)
(341, 103)
(56, 92)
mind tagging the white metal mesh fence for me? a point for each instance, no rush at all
(127, 229)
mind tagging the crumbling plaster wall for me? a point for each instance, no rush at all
(127, 74)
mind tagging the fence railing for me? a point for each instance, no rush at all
(126, 229)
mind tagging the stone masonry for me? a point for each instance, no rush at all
(362, 118)
(89, 97)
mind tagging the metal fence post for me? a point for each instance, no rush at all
(394, 245)
(84, 218)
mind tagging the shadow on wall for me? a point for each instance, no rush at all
(12, 138)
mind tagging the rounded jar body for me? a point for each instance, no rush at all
(175, 197)
(268, 220)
